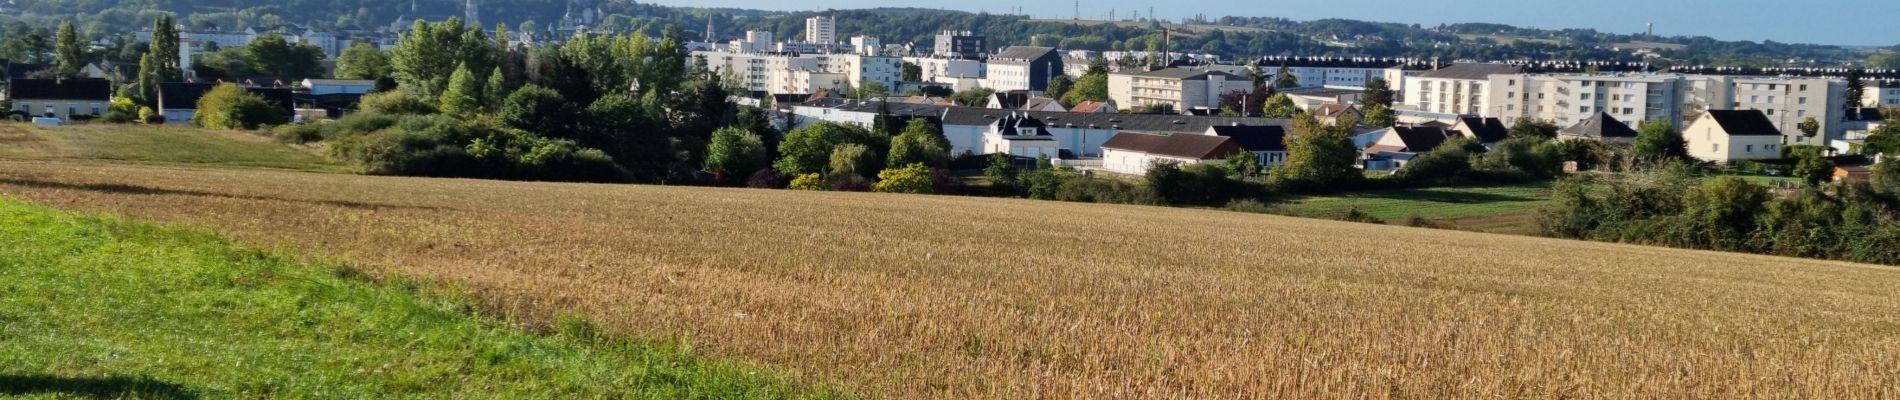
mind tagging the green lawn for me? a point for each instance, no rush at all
(158, 144)
(1486, 208)
(98, 307)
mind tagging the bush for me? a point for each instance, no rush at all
(914, 179)
(766, 179)
(299, 134)
(434, 145)
(1355, 215)
(394, 103)
(228, 106)
(942, 181)
(812, 181)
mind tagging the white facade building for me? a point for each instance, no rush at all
(1183, 88)
(821, 29)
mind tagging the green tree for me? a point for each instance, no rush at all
(1318, 155)
(973, 97)
(1885, 139)
(912, 179)
(850, 160)
(148, 80)
(1883, 60)
(912, 72)
(1813, 167)
(920, 143)
(228, 106)
(68, 50)
(1378, 93)
(165, 55)
(1656, 140)
(1886, 175)
(426, 57)
(1856, 88)
(28, 47)
(1058, 86)
(1001, 172)
(1809, 127)
(1091, 87)
(812, 182)
(362, 61)
(463, 97)
(272, 55)
(495, 91)
(735, 151)
(1279, 106)
(1284, 79)
(540, 111)
(808, 149)
(1533, 128)
(1721, 213)
(870, 90)
(1381, 116)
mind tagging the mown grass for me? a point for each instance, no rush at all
(100, 307)
(1502, 209)
(158, 144)
(955, 297)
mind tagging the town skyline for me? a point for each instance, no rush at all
(1738, 19)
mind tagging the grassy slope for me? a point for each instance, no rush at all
(943, 297)
(100, 307)
(1502, 209)
(165, 144)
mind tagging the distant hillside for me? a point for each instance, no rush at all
(1231, 37)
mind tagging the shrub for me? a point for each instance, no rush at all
(394, 103)
(914, 179)
(766, 179)
(228, 106)
(299, 134)
(851, 160)
(812, 181)
(1355, 215)
(942, 181)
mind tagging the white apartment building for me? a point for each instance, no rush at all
(1566, 99)
(791, 74)
(1458, 89)
(1789, 101)
(947, 70)
(866, 46)
(754, 42)
(800, 80)
(821, 29)
(1184, 88)
(1886, 96)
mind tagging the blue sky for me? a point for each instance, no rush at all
(1841, 22)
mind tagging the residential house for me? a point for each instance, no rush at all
(1330, 114)
(1486, 131)
(1727, 136)
(1093, 107)
(1040, 103)
(1458, 89)
(1185, 89)
(1856, 126)
(1600, 127)
(1134, 153)
(1021, 135)
(1009, 99)
(1080, 135)
(1266, 142)
(178, 101)
(1023, 68)
(1786, 102)
(60, 98)
(1397, 145)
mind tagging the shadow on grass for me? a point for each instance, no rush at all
(1444, 196)
(118, 188)
(92, 388)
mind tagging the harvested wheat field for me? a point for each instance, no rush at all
(947, 297)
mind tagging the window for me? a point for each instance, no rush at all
(1772, 86)
(1800, 113)
(1754, 99)
(1748, 149)
(1512, 82)
(1716, 147)
(1586, 96)
(1804, 88)
(1801, 100)
(1616, 97)
(1771, 112)
(95, 108)
(1771, 99)
(1584, 109)
(1540, 96)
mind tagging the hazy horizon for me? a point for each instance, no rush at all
(1753, 20)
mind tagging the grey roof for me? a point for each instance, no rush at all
(1486, 130)
(342, 82)
(896, 108)
(1865, 114)
(1127, 122)
(1185, 74)
(1420, 139)
(1744, 122)
(1322, 92)
(1200, 147)
(61, 89)
(1255, 138)
(1601, 125)
(1472, 71)
(1023, 53)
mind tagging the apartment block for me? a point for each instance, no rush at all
(1460, 89)
(1184, 88)
(1566, 99)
